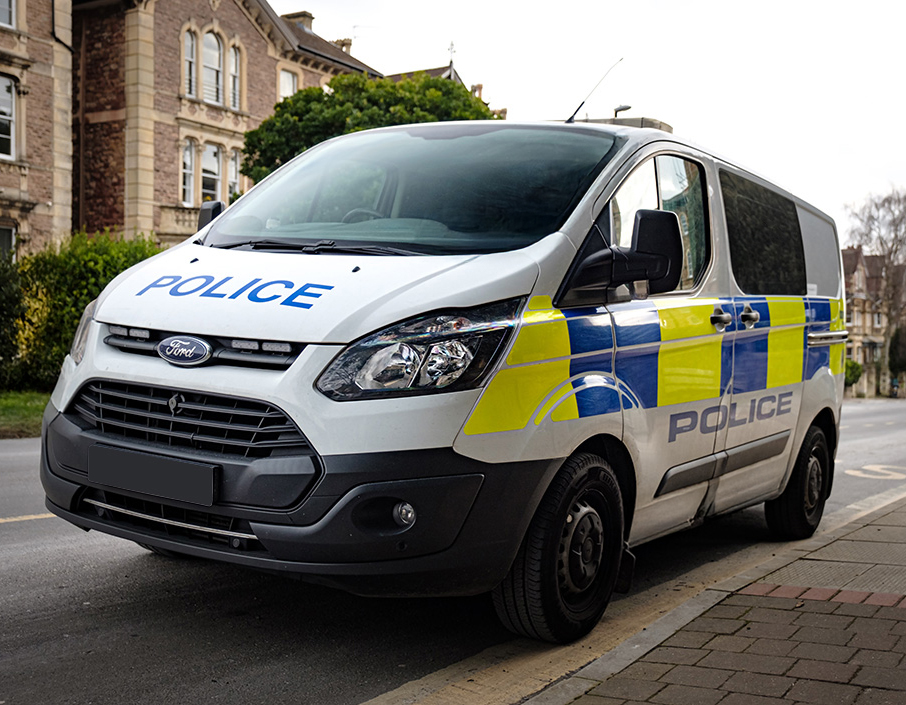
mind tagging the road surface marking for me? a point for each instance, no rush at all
(26, 517)
(879, 472)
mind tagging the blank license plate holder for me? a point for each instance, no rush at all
(156, 475)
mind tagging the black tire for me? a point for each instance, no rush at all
(565, 570)
(796, 513)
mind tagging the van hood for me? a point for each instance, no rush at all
(308, 298)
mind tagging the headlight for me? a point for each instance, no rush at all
(81, 334)
(441, 352)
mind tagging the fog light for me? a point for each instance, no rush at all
(404, 514)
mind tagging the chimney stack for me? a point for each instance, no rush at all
(344, 44)
(303, 19)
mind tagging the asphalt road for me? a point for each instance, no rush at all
(89, 618)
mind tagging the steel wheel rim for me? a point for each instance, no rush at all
(581, 551)
(814, 481)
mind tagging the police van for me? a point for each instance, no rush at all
(458, 358)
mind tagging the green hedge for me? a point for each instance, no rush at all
(852, 373)
(12, 311)
(56, 284)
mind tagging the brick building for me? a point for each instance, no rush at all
(35, 131)
(163, 92)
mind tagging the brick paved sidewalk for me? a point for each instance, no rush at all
(758, 650)
(756, 639)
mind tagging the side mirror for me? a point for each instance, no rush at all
(656, 254)
(209, 210)
(655, 257)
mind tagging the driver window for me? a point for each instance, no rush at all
(669, 183)
(638, 192)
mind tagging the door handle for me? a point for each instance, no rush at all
(720, 319)
(749, 317)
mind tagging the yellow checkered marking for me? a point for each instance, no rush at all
(786, 311)
(786, 345)
(688, 370)
(543, 336)
(513, 395)
(511, 398)
(679, 320)
(838, 322)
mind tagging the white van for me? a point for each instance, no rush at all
(455, 358)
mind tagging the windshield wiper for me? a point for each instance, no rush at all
(317, 247)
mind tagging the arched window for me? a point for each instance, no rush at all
(210, 174)
(212, 78)
(7, 118)
(189, 64)
(188, 173)
(234, 78)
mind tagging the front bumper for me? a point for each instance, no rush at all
(471, 515)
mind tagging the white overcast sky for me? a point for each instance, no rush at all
(811, 95)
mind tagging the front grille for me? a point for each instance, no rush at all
(172, 418)
(262, 354)
(188, 525)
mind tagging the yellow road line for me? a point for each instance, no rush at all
(26, 517)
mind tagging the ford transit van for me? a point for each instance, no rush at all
(457, 358)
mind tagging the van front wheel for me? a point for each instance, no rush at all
(795, 514)
(565, 571)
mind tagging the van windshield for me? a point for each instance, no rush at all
(442, 188)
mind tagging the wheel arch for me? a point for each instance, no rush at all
(615, 453)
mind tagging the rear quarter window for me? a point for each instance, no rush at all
(765, 238)
(822, 254)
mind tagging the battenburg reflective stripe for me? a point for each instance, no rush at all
(562, 364)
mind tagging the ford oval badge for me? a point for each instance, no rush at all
(184, 350)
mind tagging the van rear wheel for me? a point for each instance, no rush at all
(796, 513)
(565, 570)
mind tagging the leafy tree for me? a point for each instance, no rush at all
(897, 364)
(880, 227)
(353, 102)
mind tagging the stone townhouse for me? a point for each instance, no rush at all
(35, 130)
(163, 92)
(866, 319)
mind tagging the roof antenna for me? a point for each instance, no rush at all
(572, 118)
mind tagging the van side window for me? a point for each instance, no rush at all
(681, 189)
(673, 184)
(765, 238)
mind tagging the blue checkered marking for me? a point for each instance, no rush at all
(638, 369)
(818, 315)
(589, 331)
(636, 323)
(751, 363)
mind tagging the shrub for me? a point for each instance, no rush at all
(57, 284)
(852, 373)
(12, 309)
